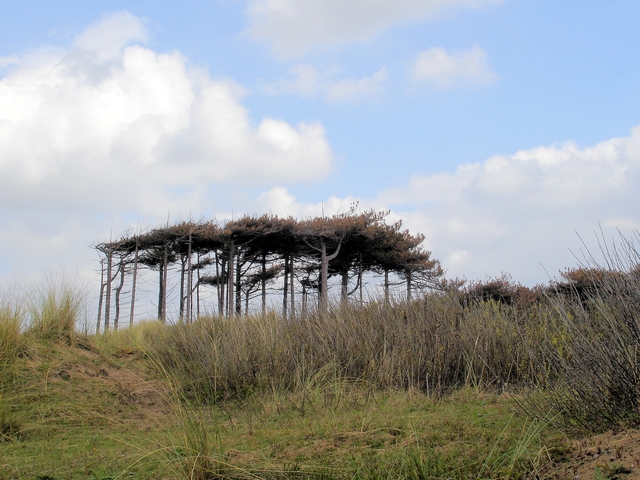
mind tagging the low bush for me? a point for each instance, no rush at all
(595, 354)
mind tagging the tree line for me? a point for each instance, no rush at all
(242, 258)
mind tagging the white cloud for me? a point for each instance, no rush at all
(518, 212)
(278, 201)
(293, 27)
(305, 80)
(108, 124)
(443, 70)
(349, 89)
(514, 213)
(107, 131)
(107, 38)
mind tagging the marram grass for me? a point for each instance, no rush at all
(54, 312)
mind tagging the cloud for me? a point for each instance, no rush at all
(108, 131)
(349, 89)
(278, 201)
(515, 213)
(293, 27)
(443, 70)
(305, 80)
(110, 124)
(108, 37)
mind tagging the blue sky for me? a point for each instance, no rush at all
(504, 130)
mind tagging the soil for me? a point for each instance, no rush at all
(612, 455)
(116, 388)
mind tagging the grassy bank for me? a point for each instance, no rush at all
(481, 383)
(87, 415)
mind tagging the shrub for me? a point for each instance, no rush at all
(502, 290)
(594, 381)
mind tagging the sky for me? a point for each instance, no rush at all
(505, 131)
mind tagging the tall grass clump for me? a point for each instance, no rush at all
(11, 319)
(572, 347)
(54, 312)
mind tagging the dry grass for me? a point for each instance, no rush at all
(11, 345)
(435, 345)
(11, 320)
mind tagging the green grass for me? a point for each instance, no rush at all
(92, 415)
(394, 434)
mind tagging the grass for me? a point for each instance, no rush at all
(107, 415)
(426, 389)
(435, 344)
(54, 312)
(11, 345)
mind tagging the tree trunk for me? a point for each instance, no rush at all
(304, 300)
(238, 287)
(223, 287)
(189, 280)
(116, 319)
(408, 285)
(360, 278)
(165, 278)
(324, 276)
(386, 286)
(291, 280)
(183, 262)
(100, 300)
(133, 286)
(107, 308)
(286, 287)
(230, 273)
(264, 284)
(345, 284)
(219, 285)
(198, 289)
(160, 288)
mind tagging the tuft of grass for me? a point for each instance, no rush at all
(54, 312)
